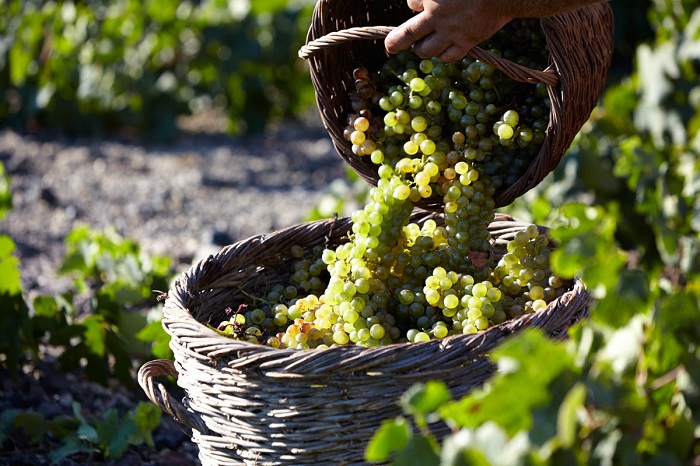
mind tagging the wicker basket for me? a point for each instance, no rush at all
(345, 34)
(252, 404)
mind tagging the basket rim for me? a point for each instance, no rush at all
(548, 76)
(201, 341)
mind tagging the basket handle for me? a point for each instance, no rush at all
(513, 70)
(159, 395)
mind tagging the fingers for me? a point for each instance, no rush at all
(453, 53)
(407, 34)
(415, 5)
(432, 45)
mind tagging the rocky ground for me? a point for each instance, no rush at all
(179, 199)
(184, 199)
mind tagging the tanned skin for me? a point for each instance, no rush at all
(448, 29)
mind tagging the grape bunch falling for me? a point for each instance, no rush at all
(460, 131)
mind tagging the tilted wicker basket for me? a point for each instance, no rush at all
(345, 34)
(253, 404)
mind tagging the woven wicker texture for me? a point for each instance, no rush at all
(252, 404)
(345, 34)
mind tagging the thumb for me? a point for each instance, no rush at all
(407, 34)
(415, 5)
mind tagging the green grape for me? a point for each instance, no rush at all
(505, 131)
(511, 118)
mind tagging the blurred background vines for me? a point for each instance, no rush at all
(624, 205)
(135, 66)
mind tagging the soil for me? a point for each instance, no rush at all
(184, 199)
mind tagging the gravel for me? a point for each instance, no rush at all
(183, 199)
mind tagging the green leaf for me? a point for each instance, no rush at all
(160, 339)
(587, 247)
(5, 192)
(122, 361)
(147, 417)
(423, 399)
(522, 376)
(48, 317)
(14, 318)
(20, 59)
(391, 436)
(31, 424)
(85, 430)
(678, 313)
(566, 420)
(269, 6)
(95, 334)
(114, 434)
(630, 297)
(419, 450)
(10, 282)
(72, 445)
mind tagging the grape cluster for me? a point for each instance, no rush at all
(459, 131)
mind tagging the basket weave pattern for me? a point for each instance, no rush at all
(347, 34)
(252, 404)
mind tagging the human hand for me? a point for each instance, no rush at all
(447, 29)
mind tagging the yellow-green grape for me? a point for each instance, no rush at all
(402, 192)
(422, 179)
(361, 124)
(410, 147)
(377, 331)
(421, 336)
(428, 147)
(377, 157)
(419, 124)
(538, 305)
(505, 131)
(357, 137)
(511, 118)
(440, 330)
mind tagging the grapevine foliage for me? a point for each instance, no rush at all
(135, 67)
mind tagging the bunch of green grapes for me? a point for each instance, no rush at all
(456, 130)
(524, 274)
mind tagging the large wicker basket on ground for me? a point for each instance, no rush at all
(252, 404)
(345, 34)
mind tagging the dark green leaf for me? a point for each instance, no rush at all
(114, 434)
(31, 424)
(423, 399)
(7, 423)
(147, 417)
(419, 450)
(95, 334)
